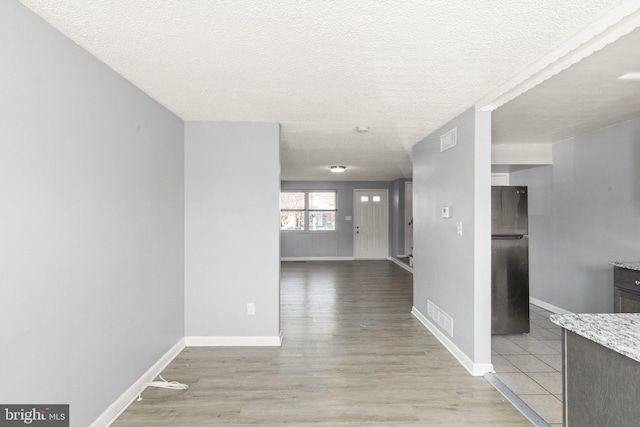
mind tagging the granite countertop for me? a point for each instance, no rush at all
(630, 265)
(619, 332)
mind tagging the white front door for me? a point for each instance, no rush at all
(371, 224)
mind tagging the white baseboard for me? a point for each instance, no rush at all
(318, 258)
(548, 307)
(475, 369)
(127, 398)
(401, 264)
(223, 341)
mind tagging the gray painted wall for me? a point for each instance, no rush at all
(232, 232)
(584, 211)
(453, 271)
(91, 219)
(340, 242)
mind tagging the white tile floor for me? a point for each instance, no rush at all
(531, 365)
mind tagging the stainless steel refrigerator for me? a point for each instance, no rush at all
(509, 260)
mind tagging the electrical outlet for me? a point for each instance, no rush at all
(251, 309)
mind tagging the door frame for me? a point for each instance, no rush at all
(386, 221)
(408, 218)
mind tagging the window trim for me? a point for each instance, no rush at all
(307, 211)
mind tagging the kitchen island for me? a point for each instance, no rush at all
(601, 368)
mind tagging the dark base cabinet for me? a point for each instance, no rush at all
(626, 290)
(600, 386)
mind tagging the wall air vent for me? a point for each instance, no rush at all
(449, 140)
(441, 318)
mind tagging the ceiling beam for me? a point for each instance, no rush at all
(619, 22)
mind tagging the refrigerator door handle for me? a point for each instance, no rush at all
(507, 237)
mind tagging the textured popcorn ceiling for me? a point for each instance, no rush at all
(322, 68)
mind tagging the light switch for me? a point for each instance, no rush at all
(347, 218)
(446, 212)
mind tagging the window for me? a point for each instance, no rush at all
(308, 210)
(365, 199)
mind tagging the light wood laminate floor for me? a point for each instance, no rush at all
(352, 355)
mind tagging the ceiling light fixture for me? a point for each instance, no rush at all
(362, 129)
(337, 169)
(630, 76)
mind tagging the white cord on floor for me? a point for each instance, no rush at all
(173, 385)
